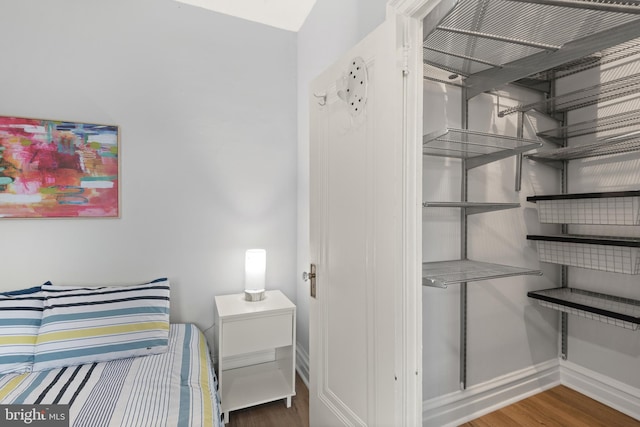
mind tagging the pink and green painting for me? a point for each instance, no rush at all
(57, 169)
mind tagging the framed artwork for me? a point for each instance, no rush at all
(55, 169)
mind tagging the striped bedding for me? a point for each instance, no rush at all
(177, 388)
(86, 325)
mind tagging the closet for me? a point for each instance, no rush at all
(531, 211)
(528, 168)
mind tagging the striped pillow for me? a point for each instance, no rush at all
(86, 325)
(20, 315)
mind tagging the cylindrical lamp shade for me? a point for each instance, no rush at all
(255, 268)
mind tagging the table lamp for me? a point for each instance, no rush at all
(255, 266)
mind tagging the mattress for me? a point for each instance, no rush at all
(177, 388)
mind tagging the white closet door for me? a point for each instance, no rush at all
(357, 221)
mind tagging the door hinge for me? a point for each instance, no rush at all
(311, 276)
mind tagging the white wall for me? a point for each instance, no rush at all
(332, 27)
(206, 106)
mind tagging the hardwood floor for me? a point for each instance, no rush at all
(276, 414)
(556, 407)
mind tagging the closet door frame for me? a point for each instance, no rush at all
(409, 303)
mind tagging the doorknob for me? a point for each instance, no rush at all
(311, 276)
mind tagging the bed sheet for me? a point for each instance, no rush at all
(177, 388)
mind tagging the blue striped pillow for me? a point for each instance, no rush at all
(86, 325)
(20, 315)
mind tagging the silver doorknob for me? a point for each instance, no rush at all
(311, 276)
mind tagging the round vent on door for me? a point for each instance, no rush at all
(356, 96)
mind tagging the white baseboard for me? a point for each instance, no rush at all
(606, 390)
(462, 406)
(459, 407)
(302, 364)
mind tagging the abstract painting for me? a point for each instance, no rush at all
(57, 169)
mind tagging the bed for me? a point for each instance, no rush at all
(175, 387)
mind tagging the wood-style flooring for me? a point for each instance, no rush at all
(275, 414)
(556, 407)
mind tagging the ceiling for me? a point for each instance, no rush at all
(285, 14)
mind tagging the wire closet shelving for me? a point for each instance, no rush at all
(618, 311)
(598, 208)
(606, 253)
(487, 43)
(476, 149)
(481, 45)
(613, 254)
(444, 273)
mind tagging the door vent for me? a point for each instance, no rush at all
(352, 88)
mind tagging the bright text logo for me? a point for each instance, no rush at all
(34, 415)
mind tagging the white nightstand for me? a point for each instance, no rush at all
(255, 349)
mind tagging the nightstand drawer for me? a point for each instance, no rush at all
(256, 334)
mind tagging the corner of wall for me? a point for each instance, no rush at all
(606, 390)
(302, 364)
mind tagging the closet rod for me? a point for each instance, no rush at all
(520, 131)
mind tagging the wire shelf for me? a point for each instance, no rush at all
(607, 147)
(605, 56)
(623, 86)
(605, 208)
(444, 273)
(477, 148)
(472, 208)
(609, 126)
(614, 254)
(491, 42)
(618, 311)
